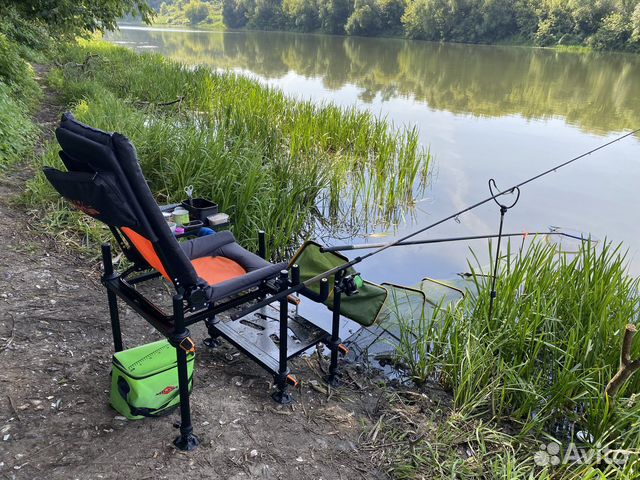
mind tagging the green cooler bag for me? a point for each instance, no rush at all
(144, 380)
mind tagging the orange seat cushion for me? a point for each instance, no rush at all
(217, 269)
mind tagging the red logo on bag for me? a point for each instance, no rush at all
(166, 390)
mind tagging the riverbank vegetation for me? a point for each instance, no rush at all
(542, 360)
(27, 32)
(598, 24)
(19, 93)
(271, 162)
(204, 13)
(533, 373)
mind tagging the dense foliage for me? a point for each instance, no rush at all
(194, 12)
(70, 18)
(27, 32)
(18, 92)
(20, 41)
(601, 24)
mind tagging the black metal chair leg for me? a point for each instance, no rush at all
(334, 342)
(112, 299)
(213, 340)
(186, 440)
(281, 395)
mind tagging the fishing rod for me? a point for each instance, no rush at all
(494, 196)
(366, 246)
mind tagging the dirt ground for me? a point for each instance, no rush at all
(55, 352)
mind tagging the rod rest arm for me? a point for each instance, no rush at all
(307, 292)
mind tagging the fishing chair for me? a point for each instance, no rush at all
(211, 274)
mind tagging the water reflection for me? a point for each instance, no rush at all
(501, 112)
(597, 92)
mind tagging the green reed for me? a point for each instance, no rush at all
(269, 161)
(543, 359)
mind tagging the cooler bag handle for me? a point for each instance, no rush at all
(124, 389)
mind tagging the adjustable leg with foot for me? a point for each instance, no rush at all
(282, 377)
(187, 440)
(334, 342)
(213, 341)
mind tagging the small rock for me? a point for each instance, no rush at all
(299, 459)
(253, 453)
(120, 417)
(204, 424)
(6, 437)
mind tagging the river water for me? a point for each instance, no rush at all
(483, 111)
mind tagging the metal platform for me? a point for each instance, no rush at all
(257, 334)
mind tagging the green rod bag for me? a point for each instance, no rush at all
(364, 307)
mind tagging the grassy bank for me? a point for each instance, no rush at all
(540, 363)
(19, 92)
(271, 162)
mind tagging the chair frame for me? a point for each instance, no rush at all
(189, 308)
(105, 181)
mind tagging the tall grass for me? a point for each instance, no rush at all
(543, 359)
(271, 162)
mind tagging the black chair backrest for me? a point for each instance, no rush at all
(105, 181)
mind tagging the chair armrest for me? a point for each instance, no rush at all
(207, 245)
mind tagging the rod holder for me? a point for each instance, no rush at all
(262, 244)
(322, 296)
(295, 274)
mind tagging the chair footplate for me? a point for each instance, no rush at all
(257, 335)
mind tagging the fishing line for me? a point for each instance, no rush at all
(493, 197)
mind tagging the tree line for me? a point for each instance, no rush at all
(600, 24)
(487, 82)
